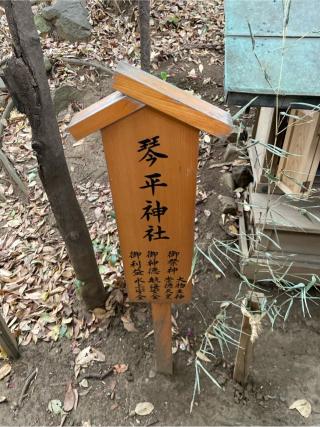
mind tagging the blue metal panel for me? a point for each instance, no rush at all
(273, 47)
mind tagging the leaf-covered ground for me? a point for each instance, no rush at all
(37, 292)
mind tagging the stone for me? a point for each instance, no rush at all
(47, 63)
(227, 181)
(69, 18)
(242, 176)
(3, 87)
(63, 96)
(228, 205)
(232, 153)
(42, 25)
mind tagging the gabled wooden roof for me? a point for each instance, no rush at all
(102, 113)
(171, 100)
(144, 89)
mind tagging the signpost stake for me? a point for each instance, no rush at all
(161, 315)
(244, 355)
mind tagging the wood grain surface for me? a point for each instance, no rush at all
(128, 169)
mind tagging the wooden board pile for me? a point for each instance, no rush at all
(280, 226)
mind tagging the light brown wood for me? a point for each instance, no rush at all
(296, 172)
(161, 315)
(171, 100)
(264, 133)
(244, 355)
(169, 273)
(102, 113)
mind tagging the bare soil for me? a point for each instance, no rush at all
(286, 359)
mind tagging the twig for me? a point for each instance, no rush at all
(116, 6)
(26, 386)
(219, 165)
(101, 376)
(86, 63)
(12, 173)
(5, 116)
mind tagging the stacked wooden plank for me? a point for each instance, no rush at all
(280, 236)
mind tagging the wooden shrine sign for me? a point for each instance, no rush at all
(150, 136)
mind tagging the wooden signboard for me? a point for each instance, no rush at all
(151, 149)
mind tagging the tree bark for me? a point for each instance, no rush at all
(144, 22)
(26, 79)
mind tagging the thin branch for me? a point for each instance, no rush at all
(5, 116)
(86, 63)
(12, 173)
(27, 384)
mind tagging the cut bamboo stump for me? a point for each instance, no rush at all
(7, 340)
(244, 355)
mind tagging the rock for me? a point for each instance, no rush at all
(47, 63)
(227, 181)
(238, 135)
(42, 25)
(232, 153)
(242, 176)
(69, 18)
(228, 205)
(3, 87)
(63, 96)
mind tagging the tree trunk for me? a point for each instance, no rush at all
(144, 22)
(26, 79)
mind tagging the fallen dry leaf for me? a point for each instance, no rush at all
(86, 356)
(5, 370)
(100, 313)
(120, 368)
(69, 399)
(144, 408)
(55, 406)
(3, 399)
(84, 383)
(128, 323)
(302, 406)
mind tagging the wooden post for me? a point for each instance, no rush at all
(244, 355)
(7, 340)
(161, 315)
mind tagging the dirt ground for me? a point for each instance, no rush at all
(285, 361)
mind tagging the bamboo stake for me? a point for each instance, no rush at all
(244, 355)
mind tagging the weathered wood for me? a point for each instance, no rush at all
(145, 40)
(7, 340)
(128, 171)
(244, 355)
(26, 79)
(264, 135)
(102, 114)
(297, 171)
(298, 257)
(171, 100)
(161, 315)
(257, 62)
